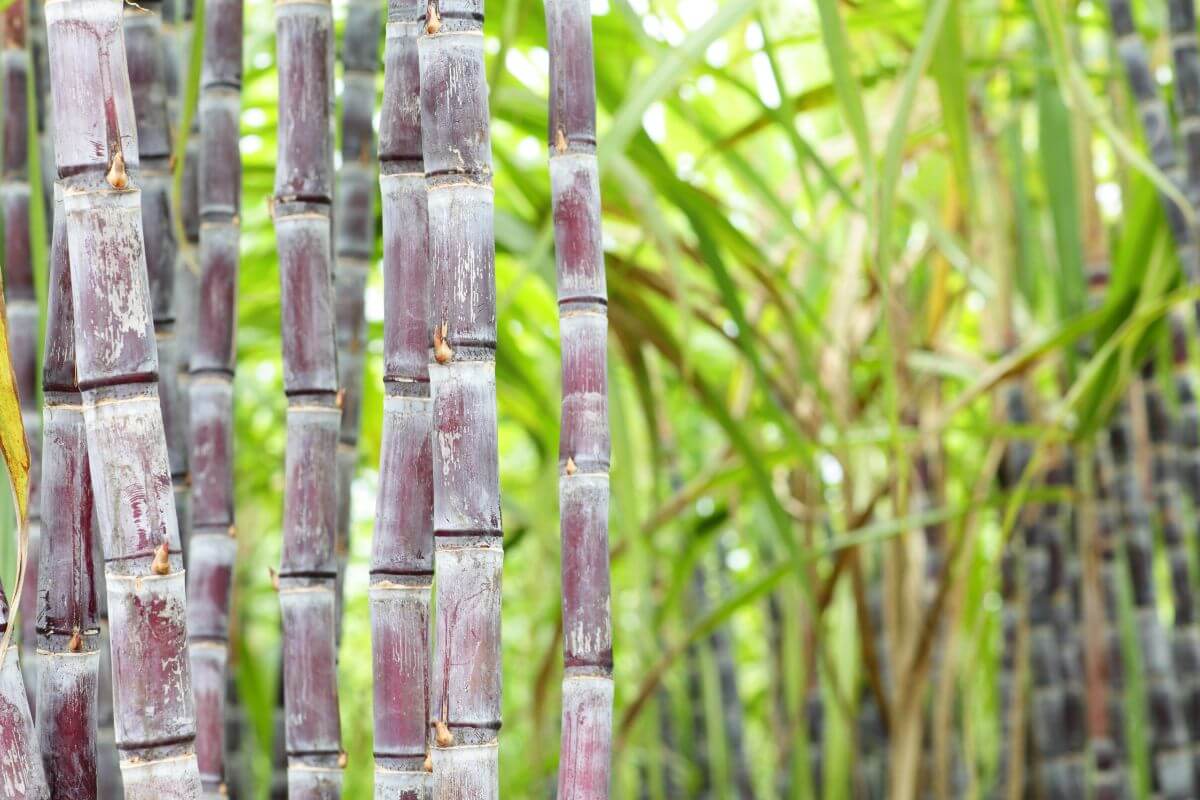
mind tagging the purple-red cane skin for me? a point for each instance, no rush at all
(116, 364)
(402, 549)
(456, 148)
(586, 751)
(213, 548)
(304, 242)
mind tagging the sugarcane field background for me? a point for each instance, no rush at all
(647, 399)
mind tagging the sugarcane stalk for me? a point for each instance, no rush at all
(96, 151)
(68, 619)
(21, 773)
(308, 573)
(1185, 635)
(213, 547)
(585, 769)
(21, 299)
(1172, 763)
(402, 546)
(466, 494)
(354, 242)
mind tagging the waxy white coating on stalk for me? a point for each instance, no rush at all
(402, 546)
(21, 776)
(585, 768)
(96, 150)
(308, 565)
(456, 147)
(213, 548)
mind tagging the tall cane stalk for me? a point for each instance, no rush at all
(213, 548)
(308, 574)
(96, 150)
(354, 242)
(466, 485)
(402, 548)
(585, 768)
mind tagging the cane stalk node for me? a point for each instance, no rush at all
(117, 177)
(76, 643)
(560, 140)
(162, 562)
(444, 737)
(571, 468)
(434, 22)
(442, 351)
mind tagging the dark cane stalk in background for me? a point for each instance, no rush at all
(457, 148)
(96, 150)
(354, 242)
(308, 573)
(585, 765)
(402, 547)
(213, 548)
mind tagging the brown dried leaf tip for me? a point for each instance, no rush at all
(571, 468)
(162, 563)
(433, 23)
(444, 737)
(343, 760)
(274, 578)
(117, 177)
(441, 350)
(341, 398)
(560, 140)
(428, 765)
(76, 643)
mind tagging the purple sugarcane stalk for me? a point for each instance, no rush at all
(585, 766)
(354, 243)
(96, 152)
(213, 548)
(402, 547)
(308, 573)
(21, 775)
(469, 550)
(68, 620)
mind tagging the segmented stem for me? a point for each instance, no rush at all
(402, 547)
(308, 572)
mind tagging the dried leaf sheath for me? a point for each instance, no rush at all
(21, 776)
(354, 242)
(308, 572)
(402, 547)
(585, 764)
(466, 492)
(69, 639)
(116, 365)
(213, 548)
(20, 299)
